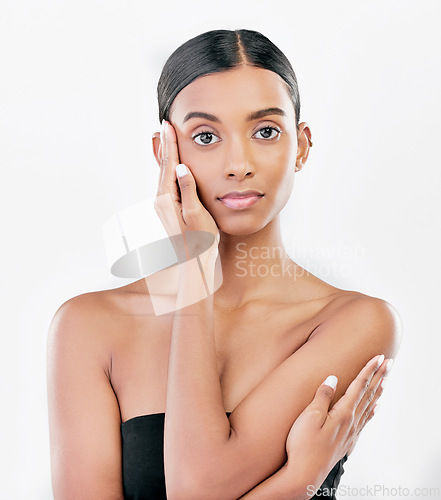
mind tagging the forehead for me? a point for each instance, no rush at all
(238, 90)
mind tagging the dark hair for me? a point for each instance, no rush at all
(220, 50)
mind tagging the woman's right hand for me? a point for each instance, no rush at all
(179, 208)
(320, 437)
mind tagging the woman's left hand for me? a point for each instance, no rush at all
(188, 209)
(320, 437)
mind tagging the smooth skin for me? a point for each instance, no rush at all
(277, 338)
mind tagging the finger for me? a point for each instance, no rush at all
(374, 391)
(169, 159)
(373, 401)
(366, 417)
(322, 399)
(187, 185)
(356, 390)
(370, 413)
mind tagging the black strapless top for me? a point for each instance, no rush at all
(143, 461)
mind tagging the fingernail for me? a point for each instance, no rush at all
(181, 170)
(375, 408)
(383, 381)
(331, 381)
(380, 360)
(389, 365)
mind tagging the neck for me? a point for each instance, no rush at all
(252, 266)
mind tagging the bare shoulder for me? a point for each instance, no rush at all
(341, 298)
(366, 308)
(356, 316)
(103, 305)
(91, 319)
(77, 326)
(88, 306)
(99, 321)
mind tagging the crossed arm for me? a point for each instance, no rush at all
(229, 458)
(208, 455)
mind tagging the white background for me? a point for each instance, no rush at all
(78, 108)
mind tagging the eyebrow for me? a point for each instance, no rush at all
(255, 115)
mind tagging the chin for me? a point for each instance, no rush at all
(243, 227)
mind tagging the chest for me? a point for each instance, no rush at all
(248, 347)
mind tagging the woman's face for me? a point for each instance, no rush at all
(228, 149)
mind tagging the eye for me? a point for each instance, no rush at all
(267, 132)
(205, 138)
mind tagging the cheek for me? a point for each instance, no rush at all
(204, 187)
(279, 164)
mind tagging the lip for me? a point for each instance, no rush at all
(241, 194)
(240, 202)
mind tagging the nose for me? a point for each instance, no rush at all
(238, 160)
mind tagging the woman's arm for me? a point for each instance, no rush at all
(195, 423)
(84, 419)
(320, 436)
(280, 486)
(204, 446)
(227, 466)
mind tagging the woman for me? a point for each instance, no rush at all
(225, 395)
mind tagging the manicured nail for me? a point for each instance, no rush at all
(375, 409)
(331, 381)
(389, 365)
(181, 170)
(380, 360)
(383, 381)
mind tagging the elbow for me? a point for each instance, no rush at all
(194, 487)
(204, 475)
(179, 486)
(186, 490)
